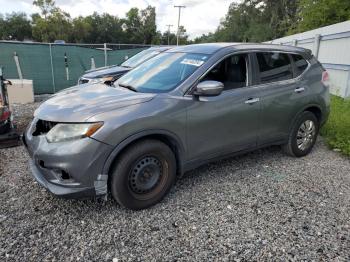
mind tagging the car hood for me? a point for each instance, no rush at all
(79, 104)
(109, 71)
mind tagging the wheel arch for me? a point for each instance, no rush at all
(316, 110)
(167, 137)
(313, 108)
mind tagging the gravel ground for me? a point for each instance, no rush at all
(260, 206)
(23, 114)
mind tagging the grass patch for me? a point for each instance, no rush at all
(337, 129)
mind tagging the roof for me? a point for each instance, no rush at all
(209, 48)
(212, 48)
(160, 48)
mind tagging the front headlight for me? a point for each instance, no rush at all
(66, 132)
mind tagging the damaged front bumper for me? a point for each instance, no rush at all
(68, 169)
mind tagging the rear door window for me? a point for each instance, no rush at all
(300, 64)
(274, 66)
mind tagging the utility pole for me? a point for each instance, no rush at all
(178, 22)
(169, 31)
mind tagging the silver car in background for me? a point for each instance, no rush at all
(110, 74)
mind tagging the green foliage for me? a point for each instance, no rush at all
(262, 20)
(246, 21)
(81, 30)
(254, 21)
(46, 6)
(103, 28)
(15, 26)
(139, 26)
(337, 129)
(317, 13)
(55, 25)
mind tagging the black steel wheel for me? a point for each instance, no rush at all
(143, 174)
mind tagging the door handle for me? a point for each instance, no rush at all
(299, 89)
(252, 101)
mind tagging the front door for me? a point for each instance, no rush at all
(228, 122)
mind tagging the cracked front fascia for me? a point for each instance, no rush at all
(100, 185)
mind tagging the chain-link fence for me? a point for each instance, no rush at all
(53, 67)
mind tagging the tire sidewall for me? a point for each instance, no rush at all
(120, 188)
(293, 139)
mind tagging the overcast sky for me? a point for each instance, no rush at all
(199, 16)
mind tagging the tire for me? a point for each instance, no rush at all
(295, 146)
(143, 174)
(5, 127)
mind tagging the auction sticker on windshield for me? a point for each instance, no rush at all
(193, 62)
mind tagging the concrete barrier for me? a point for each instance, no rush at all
(21, 91)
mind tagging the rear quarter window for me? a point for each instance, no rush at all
(274, 66)
(300, 64)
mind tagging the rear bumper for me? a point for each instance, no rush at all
(68, 169)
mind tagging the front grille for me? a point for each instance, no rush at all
(43, 127)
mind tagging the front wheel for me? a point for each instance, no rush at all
(143, 174)
(303, 135)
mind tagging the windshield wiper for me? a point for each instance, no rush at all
(128, 87)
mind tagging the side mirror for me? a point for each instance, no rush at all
(209, 88)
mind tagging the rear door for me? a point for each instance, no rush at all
(282, 94)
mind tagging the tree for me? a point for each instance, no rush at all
(132, 26)
(140, 25)
(254, 21)
(183, 37)
(46, 7)
(15, 26)
(81, 30)
(53, 23)
(148, 24)
(317, 13)
(56, 25)
(103, 28)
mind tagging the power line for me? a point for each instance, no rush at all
(178, 22)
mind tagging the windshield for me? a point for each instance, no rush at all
(139, 58)
(163, 72)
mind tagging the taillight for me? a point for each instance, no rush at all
(5, 114)
(325, 78)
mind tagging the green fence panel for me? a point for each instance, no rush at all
(35, 62)
(78, 61)
(117, 57)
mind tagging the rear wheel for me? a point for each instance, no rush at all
(143, 174)
(303, 135)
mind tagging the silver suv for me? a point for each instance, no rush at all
(183, 108)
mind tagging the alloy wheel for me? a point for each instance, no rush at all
(306, 135)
